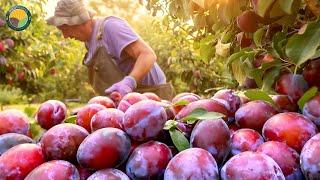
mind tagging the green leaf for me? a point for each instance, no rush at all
(170, 124)
(71, 119)
(258, 73)
(302, 47)
(179, 140)
(181, 103)
(236, 56)
(278, 42)
(36, 130)
(316, 55)
(263, 7)
(30, 111)
(194, 114)
(286, 5)
(307, 96)
(269, 78)
(258, 36)
(259, 95)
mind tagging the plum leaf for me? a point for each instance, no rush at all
(181, 103)
(259, 95)
(71, 119)
(263, 7)
(179, 140)
(307, 96)
(201, 114)
(258, 36)
(170, 124)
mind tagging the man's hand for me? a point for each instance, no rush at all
(125, 86)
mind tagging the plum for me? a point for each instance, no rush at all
(293, 85)
(56, 169)
(231, 97)
(130, 99)
(245, 140)
(311, 73)
(107, 118)
(233, 128)
(261, 59)
(3, 60)
(189, 97)
(20, 160)
(2, 22)
(254, 114)
(211, 105)
(13, 121)
(292, 128)
(249, 83)
(51, 113)
(62, 141)
(152, 96)
(284, 103)
(144, 120)
(312, 109)
(86, 113)
(112, 174)
(251, 166)
(104, 148)
(148, 161)
(9, 42)
(83, 172)
(193, 163)
(310, 158)
(248, 21)
(103, 100)
(10, 140)
(243, 40)
(217, 143)
(286, 157)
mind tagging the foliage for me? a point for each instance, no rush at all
(42, 63)
(286, 30)
(11, 95)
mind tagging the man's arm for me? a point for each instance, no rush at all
(144, 57)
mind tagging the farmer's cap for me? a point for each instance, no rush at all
(70, 12)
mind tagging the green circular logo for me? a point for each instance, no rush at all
(18, 18)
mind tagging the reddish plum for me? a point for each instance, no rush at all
(19, 161)
(211, 105)
(107, 118)
(83, 172)
(254, 114)
(286, 157)
(243, 40)
(51, 113)
(148, 161)
(152, 96)
(112, 174)
(312, 109)
(248, 21)
(231, 97)
(217, 143)
(10, 140)
(130, 99)
(251, 166)
(245, 140)
(86, 113)
(311, 73)
(293, 85)
(104, 148)
(62, 141)
(13, 121)
(284, 103)
(189, 97)
(310, 158)
(292, 128)
(144, 120)
(103, 100)
(57, 169)
(193, 163)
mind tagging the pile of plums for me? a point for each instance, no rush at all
(127, 139)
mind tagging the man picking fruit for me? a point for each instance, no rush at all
(118, 60)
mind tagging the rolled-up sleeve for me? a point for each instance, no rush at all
(118, 35)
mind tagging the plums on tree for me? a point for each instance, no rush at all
(243, 40)
(311, 73)
(248, 21)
